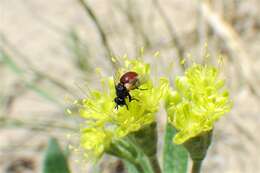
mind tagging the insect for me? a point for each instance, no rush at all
(128, 81)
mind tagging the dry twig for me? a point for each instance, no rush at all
(101, 32)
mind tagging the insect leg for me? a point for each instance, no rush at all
(141, 88)
(131, 98)
(116, 107)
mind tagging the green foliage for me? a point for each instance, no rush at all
(134, 157)
(54, 159)
(130, 167)
(175, 157)
(146, 139)
(6, 59)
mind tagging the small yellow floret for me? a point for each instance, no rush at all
(197, 103)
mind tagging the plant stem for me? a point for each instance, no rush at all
(196, 166)
(146, 139)
(155, 164)
(198, 147)
(119, 150)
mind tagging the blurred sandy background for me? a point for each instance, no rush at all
(48, 48)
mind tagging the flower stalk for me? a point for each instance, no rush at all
(119, 151)
(199, 100)
(128, 151)
(197, 148)
(146, 139)
(196, 166)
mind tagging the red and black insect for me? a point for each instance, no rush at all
(128, 81)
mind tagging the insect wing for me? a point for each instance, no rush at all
(130, 80)
(129, 77)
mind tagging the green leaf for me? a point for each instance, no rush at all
(54, 160)
(146, 139)
(175, 157)
(10, 63)
(133, 156)
(130, 167)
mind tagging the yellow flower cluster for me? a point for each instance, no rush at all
(104, 124)
(197, 103)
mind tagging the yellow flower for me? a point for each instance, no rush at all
(95, 141)
(104, 124)
(197, 103)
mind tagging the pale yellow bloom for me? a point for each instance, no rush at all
(198, 102)
(103, 123)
